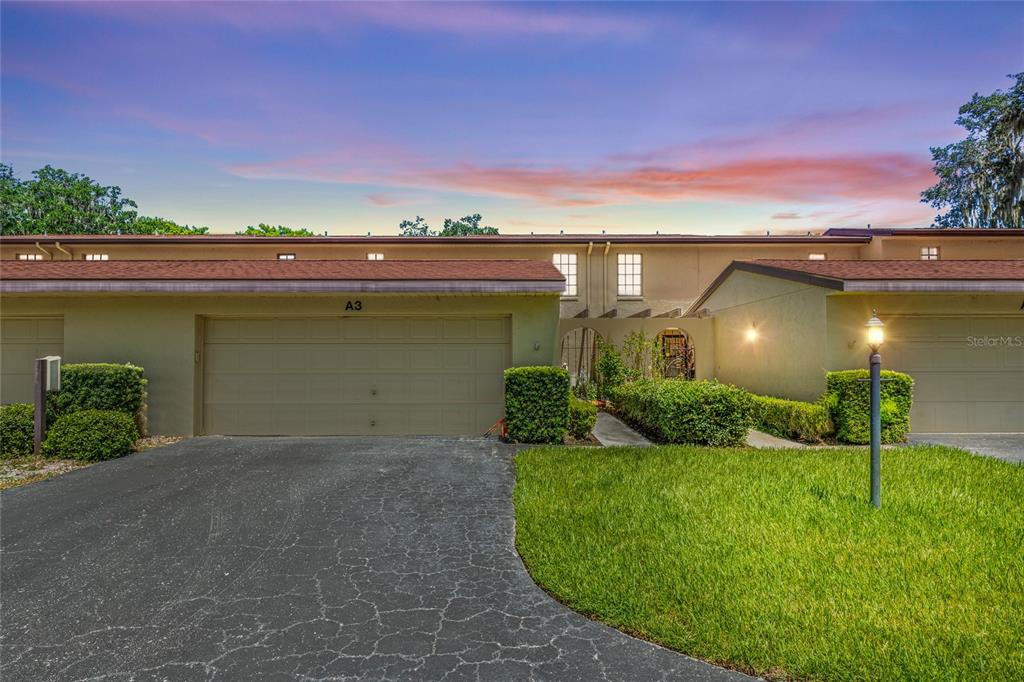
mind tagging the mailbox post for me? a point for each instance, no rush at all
(47, 379)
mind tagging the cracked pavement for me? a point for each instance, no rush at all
(293, 559)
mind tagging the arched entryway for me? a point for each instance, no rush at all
(677, 348)
(581, 348)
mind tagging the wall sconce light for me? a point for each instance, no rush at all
(751, 334)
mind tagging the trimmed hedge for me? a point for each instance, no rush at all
(849, 398)
(101, 386)
(536, 404)
(677, 411)
(91, 435)
(582, 417)
(808, 422)
(17, 430)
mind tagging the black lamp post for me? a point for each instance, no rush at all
(876, 337)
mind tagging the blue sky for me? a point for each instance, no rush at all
(629, 117)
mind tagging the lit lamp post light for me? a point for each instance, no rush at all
(876, 337)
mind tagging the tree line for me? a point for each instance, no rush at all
(980, 185)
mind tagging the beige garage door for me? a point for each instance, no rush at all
(22, 340)
(354, 376)
(968, 371)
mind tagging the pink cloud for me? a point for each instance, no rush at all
(803, 179)
(806, 179)
(383, 200)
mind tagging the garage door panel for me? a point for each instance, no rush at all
(357, 328)
(459, 328)
(414, 375)
(425, 328)
(967, 378)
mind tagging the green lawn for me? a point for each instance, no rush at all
(773, 561)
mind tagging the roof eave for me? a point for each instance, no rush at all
(284, 286)
(935, 286)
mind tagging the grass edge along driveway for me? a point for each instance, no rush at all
(773, 562)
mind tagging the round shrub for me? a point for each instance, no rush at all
(582, 416)
(17, 430)
(91, 435)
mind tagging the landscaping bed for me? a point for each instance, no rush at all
(20, 471)
(773, 562)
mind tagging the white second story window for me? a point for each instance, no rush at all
(30, 256)
(630, 274)
(929, 253)
(815, 256)
(566, 264)
(286, 256)
(97, 256)
(375, 256)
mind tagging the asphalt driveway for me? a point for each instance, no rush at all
(246, 559)
(1006, 446)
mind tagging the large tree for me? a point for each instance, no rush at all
(981, 178)
(264, 230)
(57, 201)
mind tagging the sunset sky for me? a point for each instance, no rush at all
(628, 117)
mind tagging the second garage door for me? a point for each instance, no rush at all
(968, 371)
(22, 340)
(354, 376)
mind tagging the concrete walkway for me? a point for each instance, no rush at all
(610, 430)
(759, 439)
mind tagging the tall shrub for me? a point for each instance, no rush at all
(102, 386)
(611, 370)
(695, 412)
(536, 404)
(849, 396)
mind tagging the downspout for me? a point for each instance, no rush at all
(60, 248)
(590, 282)
(604, 277)
(48, 254)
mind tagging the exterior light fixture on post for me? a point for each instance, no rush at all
(876, 337)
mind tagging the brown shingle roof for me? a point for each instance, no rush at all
(883, 275)
(900, 269)
(285, 270)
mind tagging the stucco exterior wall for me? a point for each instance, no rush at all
(904, 247)
(163, 333)
(788, 357)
